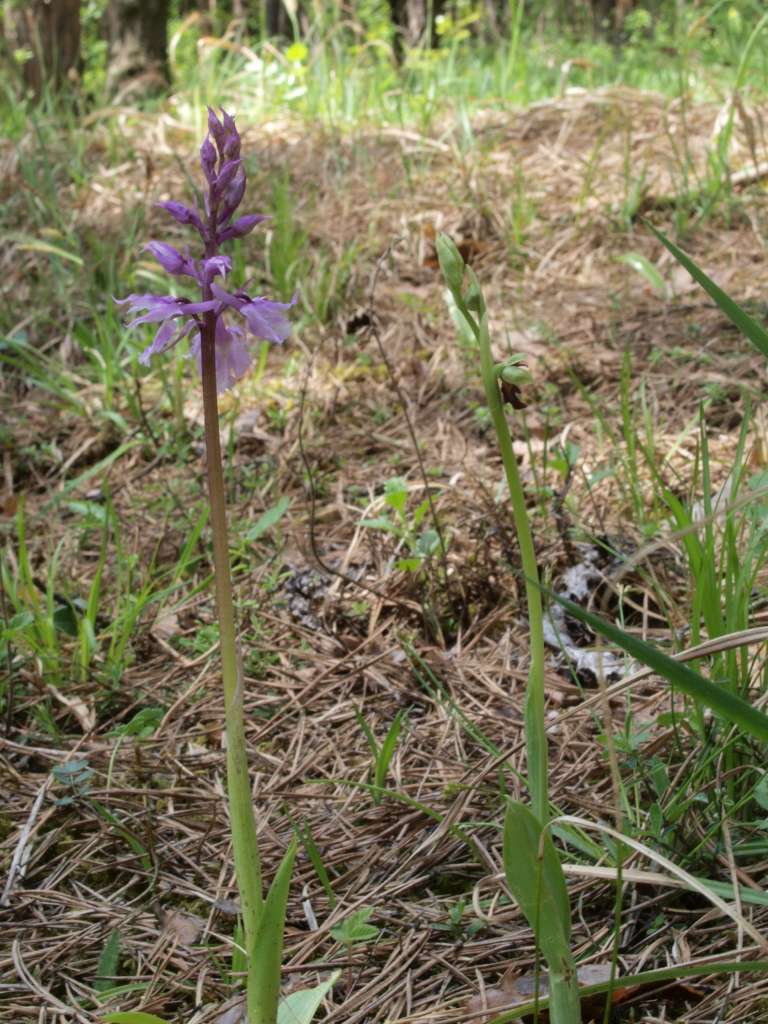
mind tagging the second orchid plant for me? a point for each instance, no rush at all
(217, 325)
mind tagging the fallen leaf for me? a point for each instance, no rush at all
(494, 999)
(234, 1013)
(514, 988)
(9, 504)
(230, 908)
(185, 928)
(165, 626)
(85, 715)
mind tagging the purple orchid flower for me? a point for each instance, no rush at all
(183, 318)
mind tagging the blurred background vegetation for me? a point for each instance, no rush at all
(380, 58)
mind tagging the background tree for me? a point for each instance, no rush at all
(49, 30)
(137, 32)
(413, 22)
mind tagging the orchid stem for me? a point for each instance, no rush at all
(243, 822)
(535, 733)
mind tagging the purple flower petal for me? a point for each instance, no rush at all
(208, 160)
(226, 176)
(228, 122)
(179, 318)
(213, 266)
(232, 356)
(267, 319)
(170, 259)
(242, 226)
(183, 214)
(233, 196)
(230, 150)
(215, 127)
(168, 335)
(163, 307)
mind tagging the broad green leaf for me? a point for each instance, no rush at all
(396, 493)
(355, 928)
(646, 269)
(408, 564)
(419, 513)
(380, 523)
(760, 792)
(726, 704)
(266, 954)
(428, 543)
(108, 960)
(537, 884)
(268, 519)
(300, 1007)
(144, 723)
(536, 880)
(65, 618)
(748, 327)
(133, 1017)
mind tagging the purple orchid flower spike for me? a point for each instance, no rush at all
(181, 318)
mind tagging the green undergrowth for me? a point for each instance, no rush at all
(85, 595)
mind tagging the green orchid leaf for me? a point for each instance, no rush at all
(266, 954)
(536, 880)
(300, 1007)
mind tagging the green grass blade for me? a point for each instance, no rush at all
(726, 704)
(368, 732)
(268, 519)
(749, 328)
(316, 860)
(388, 749)
(107, 966)
(646, 269)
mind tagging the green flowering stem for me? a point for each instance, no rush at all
(535, 734)
(470, 310)
(247, 863)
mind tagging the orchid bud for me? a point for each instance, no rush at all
(451, 263)
(242, 226)
(474, 297)
(230, 147)
(170, 259)
(232, 198)
(512, 375)
(208, 160)
(226, 176)
(215, 128)
(183, 214)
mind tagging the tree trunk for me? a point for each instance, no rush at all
(276, 22)
(137, 31)
(50, 30)
(414, 23)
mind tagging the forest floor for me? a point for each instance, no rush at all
(546, 202)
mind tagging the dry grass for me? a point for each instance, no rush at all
(560, 295)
